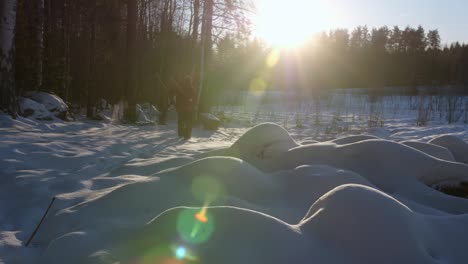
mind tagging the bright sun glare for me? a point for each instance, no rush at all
(289, 23)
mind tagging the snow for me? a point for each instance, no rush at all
(146, 113)
(51, 102)
(457, 147)
(431, 149)
(30, 108)
(271, 195)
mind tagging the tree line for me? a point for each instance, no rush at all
(118, 50)
(378, 57)
(134, 51)
(360, 58)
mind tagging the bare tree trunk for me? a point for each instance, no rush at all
(130, 113)
(67, 43)
(39, 38)
(48, 29)
(196, 21)
(206, 46)
(90, 82)
(8, 101)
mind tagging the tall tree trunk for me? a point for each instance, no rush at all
(8, 101)
(39, 41)
(206, 46)
(48, 45)
(130, 112)
(207, 28)
(90, 82)
(67, 37)
(196, 21)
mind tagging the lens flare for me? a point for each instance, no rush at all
(180, 253)
(201, 216)
(164, 254)
(207, 189)
(273, 57)
(195, 226)
(258, 85)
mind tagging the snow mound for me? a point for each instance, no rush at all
(308, 142)
(379, 132)
(210, 121)
(147, 113)
(219, 178)
(51, 102)
(270, 201)
(431, 149)
(30, 108)
(352, 139)
(457, 146)
(382, 162)
(362, 216)
(257, 233)
(261, 142)
(390, 166)
(308, 183)
(349, 224)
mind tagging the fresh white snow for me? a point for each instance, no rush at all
(128, 194)
(51, 102)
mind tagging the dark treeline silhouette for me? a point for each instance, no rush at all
(361, 58)
(382, 57)
(118, 50)
(133, 50)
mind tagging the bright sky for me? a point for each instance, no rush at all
(288, 22)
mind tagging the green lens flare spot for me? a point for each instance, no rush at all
(195, 227)
(258, 85)
(273, 57)
(206, 189)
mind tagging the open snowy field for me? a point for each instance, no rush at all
(139, 194)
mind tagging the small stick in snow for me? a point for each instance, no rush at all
(40, 222)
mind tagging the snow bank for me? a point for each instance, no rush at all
(352, 139)
(391, 166)
(33, 109)
(51, 102)
(265, 199)
(147, 113)
(379, 132)
(42, 106)
(308, 142)
(210, 121)
(372, 227)
(457, 146)
(134, 203)
(431, 149)
(349, 224)
(261, 142)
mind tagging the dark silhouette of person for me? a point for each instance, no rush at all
(185, 102)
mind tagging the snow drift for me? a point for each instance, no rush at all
(268, 199)
(458, 147)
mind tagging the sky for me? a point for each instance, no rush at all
(277, 20)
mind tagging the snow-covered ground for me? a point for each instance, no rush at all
(254, 196)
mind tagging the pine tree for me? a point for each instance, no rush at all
(8, 102)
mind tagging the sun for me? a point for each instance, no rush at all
(289, 23)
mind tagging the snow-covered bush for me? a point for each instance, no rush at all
(51, 102)
(210, 121)
(33, 109)
(147, 113)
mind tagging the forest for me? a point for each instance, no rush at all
(133, 51)
(233, 131)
